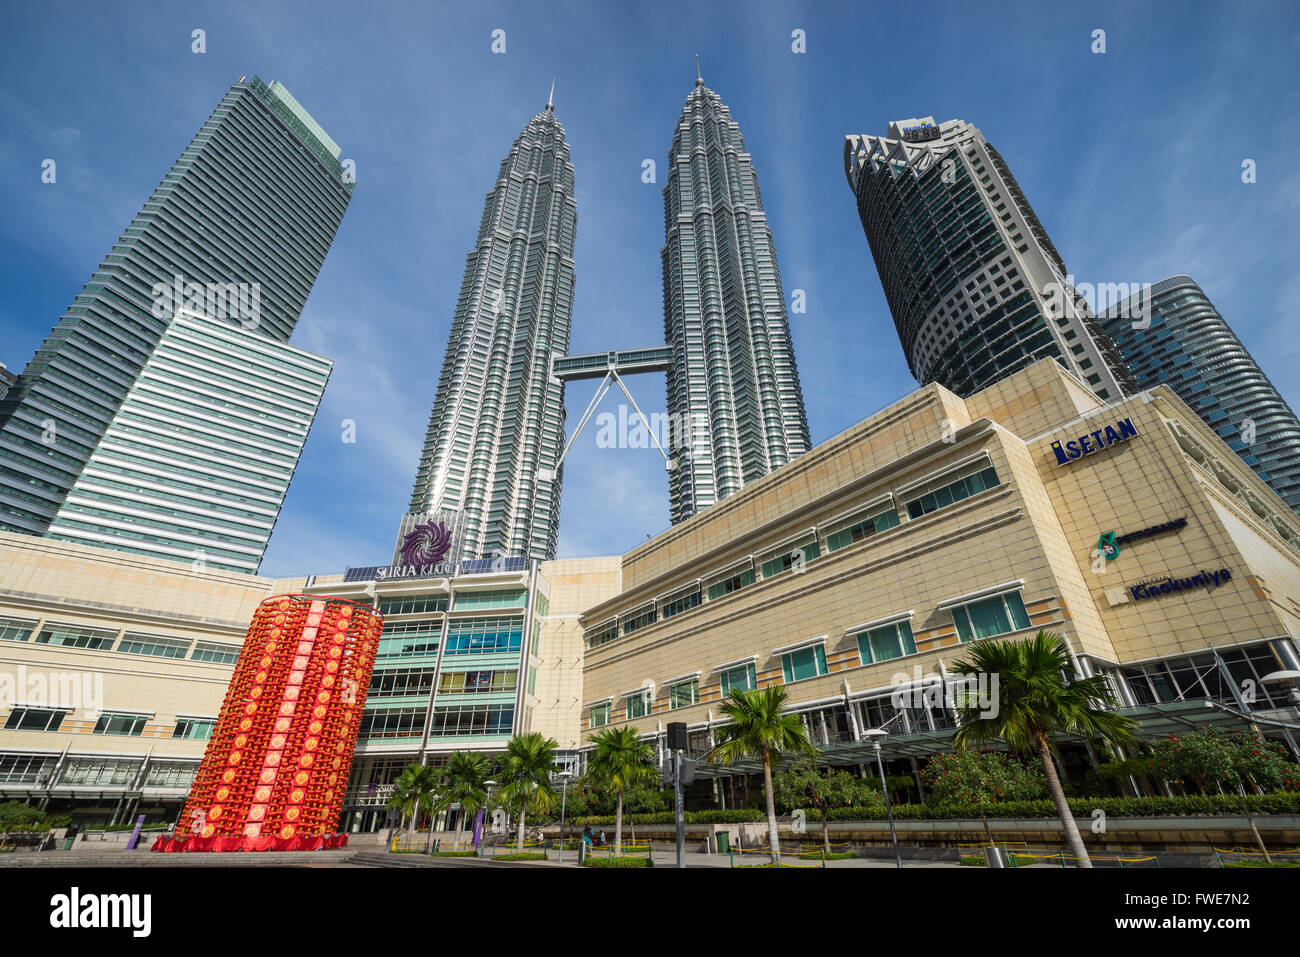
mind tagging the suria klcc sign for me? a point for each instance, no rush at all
(426, 544)
(1091, 442)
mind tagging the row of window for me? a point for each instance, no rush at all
(127, 725)
(981, 618)
(102, 639)
(945, 490)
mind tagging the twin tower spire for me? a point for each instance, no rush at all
(496, 434)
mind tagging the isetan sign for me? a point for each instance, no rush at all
(1090, 442)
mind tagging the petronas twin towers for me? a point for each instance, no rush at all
(496, 434)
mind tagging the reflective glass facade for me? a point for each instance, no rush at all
(965, 263)
(497, 426)
(245, 216)
(1189, 347)
(733, 377)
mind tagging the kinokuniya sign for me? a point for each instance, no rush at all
(1165, 586)
(1091, 442)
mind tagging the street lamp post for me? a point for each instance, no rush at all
(487, 807)
(875, 734)
(564, 794)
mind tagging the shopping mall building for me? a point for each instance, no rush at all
(852, 576)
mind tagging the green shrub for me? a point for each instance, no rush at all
(834, 856)
(455, 853)
(519, 857)
(625, 861)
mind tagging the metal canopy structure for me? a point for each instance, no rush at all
(1154, 721)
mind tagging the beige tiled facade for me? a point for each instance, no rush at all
(1034, 534)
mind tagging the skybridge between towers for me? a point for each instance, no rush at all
(609, 367)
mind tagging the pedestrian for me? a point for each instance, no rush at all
(603, 842)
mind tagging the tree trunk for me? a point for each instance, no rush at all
(523, 809)
(1072, 836)
(988, 831)
(773, 840)
(618, 827)
(826, 830)
(428, 835)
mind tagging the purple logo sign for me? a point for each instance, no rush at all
(426, 544)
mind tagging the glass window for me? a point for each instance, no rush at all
(638, 705)
(216, 653)
(608, 633)
(681, 603)
(473, 600)
(412, 604)
(726, 586)
(477, 682)
(741, 676)
(76, 636)
(154, 645)
(804, 663)
(784, 562)
(684, 693)
(989, 617)
(646, 617)
(34, 719)
(128, 725)
(599, 715)
(947, 490)
(15, 629)
(862, 529)
(886, 642)
(195, 729)
(466, 636)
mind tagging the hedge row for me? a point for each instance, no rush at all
(1279, 802)
(618, 862)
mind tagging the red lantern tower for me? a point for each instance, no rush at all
(276, 768)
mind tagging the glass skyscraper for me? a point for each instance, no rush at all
(196, 462)
(733, 388)
(497, 427)
(967, 268)
(1179, 339)
(235, 234)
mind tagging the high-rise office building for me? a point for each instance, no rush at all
(197, 461)
(733, 387)
(7, 379)
(236, 232)
(1176, 337)
(497, 427)
(975, 286)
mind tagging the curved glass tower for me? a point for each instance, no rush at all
(497, 426)
(1190, 348)
(733, 388)
(967, 268)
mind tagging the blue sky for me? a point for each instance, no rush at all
(1132, 159)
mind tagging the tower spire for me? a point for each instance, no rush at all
(550, 100)
(699, 80)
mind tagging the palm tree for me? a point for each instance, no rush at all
(526, 774)
(758, 728)
(619, 760)
(464, 775)
(413, 792)
(1036, 702)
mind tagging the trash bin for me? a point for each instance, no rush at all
(993, 856)
(724, 842)
(70, 837)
